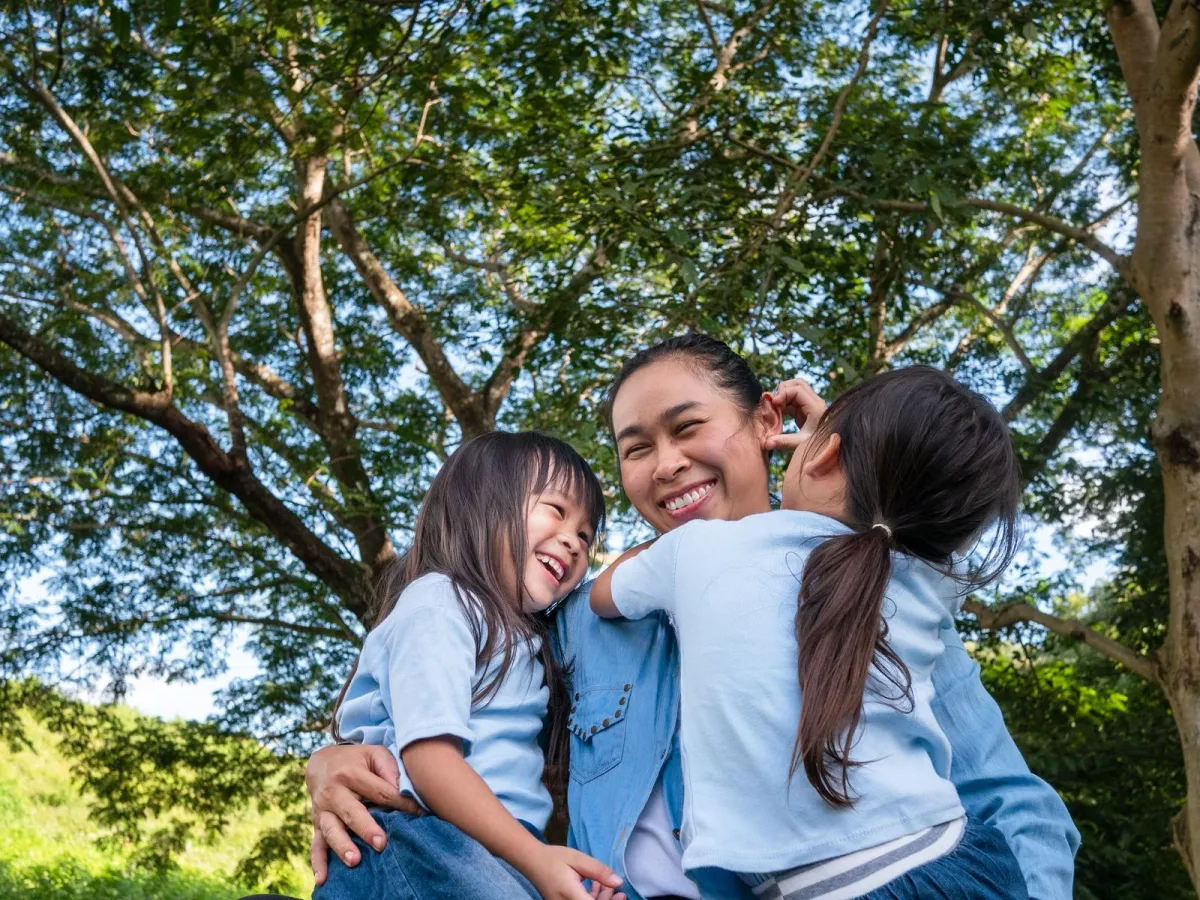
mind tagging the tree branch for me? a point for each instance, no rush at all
(1119, 300)
(335, 424)
(233, 475)
(410, 323)
(1083, 236)
(1004, 616)
(496, 387)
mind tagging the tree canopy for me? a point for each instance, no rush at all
(267, 262)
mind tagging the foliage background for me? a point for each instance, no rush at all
(266, 262)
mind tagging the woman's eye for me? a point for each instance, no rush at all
(635, 451)
(558, 509)
(686, 427)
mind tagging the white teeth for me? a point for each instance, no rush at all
(689, 498)
(553, 563)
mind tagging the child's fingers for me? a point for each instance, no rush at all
(593, 869)
(796, 396)
(789, 441)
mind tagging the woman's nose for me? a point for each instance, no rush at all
(669, 465)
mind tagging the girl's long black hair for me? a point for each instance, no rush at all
(472, 528)
(932, 463)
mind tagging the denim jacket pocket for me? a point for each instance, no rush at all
(597, 726)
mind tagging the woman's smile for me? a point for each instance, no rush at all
(687, 450)
(684, 503)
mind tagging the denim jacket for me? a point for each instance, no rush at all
(624, 732)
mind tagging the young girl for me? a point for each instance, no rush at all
(455, 679)
(845, 587)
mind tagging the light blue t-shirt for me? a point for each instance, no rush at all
(415, 679)
(731, 589)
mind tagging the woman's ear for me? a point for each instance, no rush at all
(827, 461)
(770, 420)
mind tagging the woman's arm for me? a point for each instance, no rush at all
(455, 792)
(993, 781)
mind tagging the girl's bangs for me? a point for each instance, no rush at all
(561, 468)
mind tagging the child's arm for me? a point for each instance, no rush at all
(602, 599)
(455, 792)
(642, 580)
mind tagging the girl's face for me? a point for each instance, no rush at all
(687, 450)
(558, 533)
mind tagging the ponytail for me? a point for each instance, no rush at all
(841, 635)
(929, 466)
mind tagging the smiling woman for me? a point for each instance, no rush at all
(686, 451)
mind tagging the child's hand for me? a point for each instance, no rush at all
(559, 873)
(605, 893)
(797, 399)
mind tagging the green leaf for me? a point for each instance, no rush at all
(171, 10)
(691, 275)
(1029, 31)
(120, 23)
(935, 203)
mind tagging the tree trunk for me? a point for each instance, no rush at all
(1185, 705)
(1160, 63)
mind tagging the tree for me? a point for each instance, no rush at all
(267, 262)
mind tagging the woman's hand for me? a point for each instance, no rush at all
(339, 779)
(559, 872)
(796, 398)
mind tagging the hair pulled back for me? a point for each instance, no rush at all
(715, 359)
(933, 464)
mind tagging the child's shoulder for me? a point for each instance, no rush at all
(431, 594)
(792, 524)
(431, 589)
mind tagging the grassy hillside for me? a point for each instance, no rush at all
(49, 848)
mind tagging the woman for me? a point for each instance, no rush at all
(693, 431)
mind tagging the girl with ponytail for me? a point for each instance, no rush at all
(808, 636)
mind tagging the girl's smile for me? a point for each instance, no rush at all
(558, 534)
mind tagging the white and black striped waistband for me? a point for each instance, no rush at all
(863, 871)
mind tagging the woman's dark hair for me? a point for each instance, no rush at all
(933, 462)
(727, 369)
(472, 528)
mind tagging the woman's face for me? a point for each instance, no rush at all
(687, 450)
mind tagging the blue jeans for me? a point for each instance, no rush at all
(426, 858)
(981, 867)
